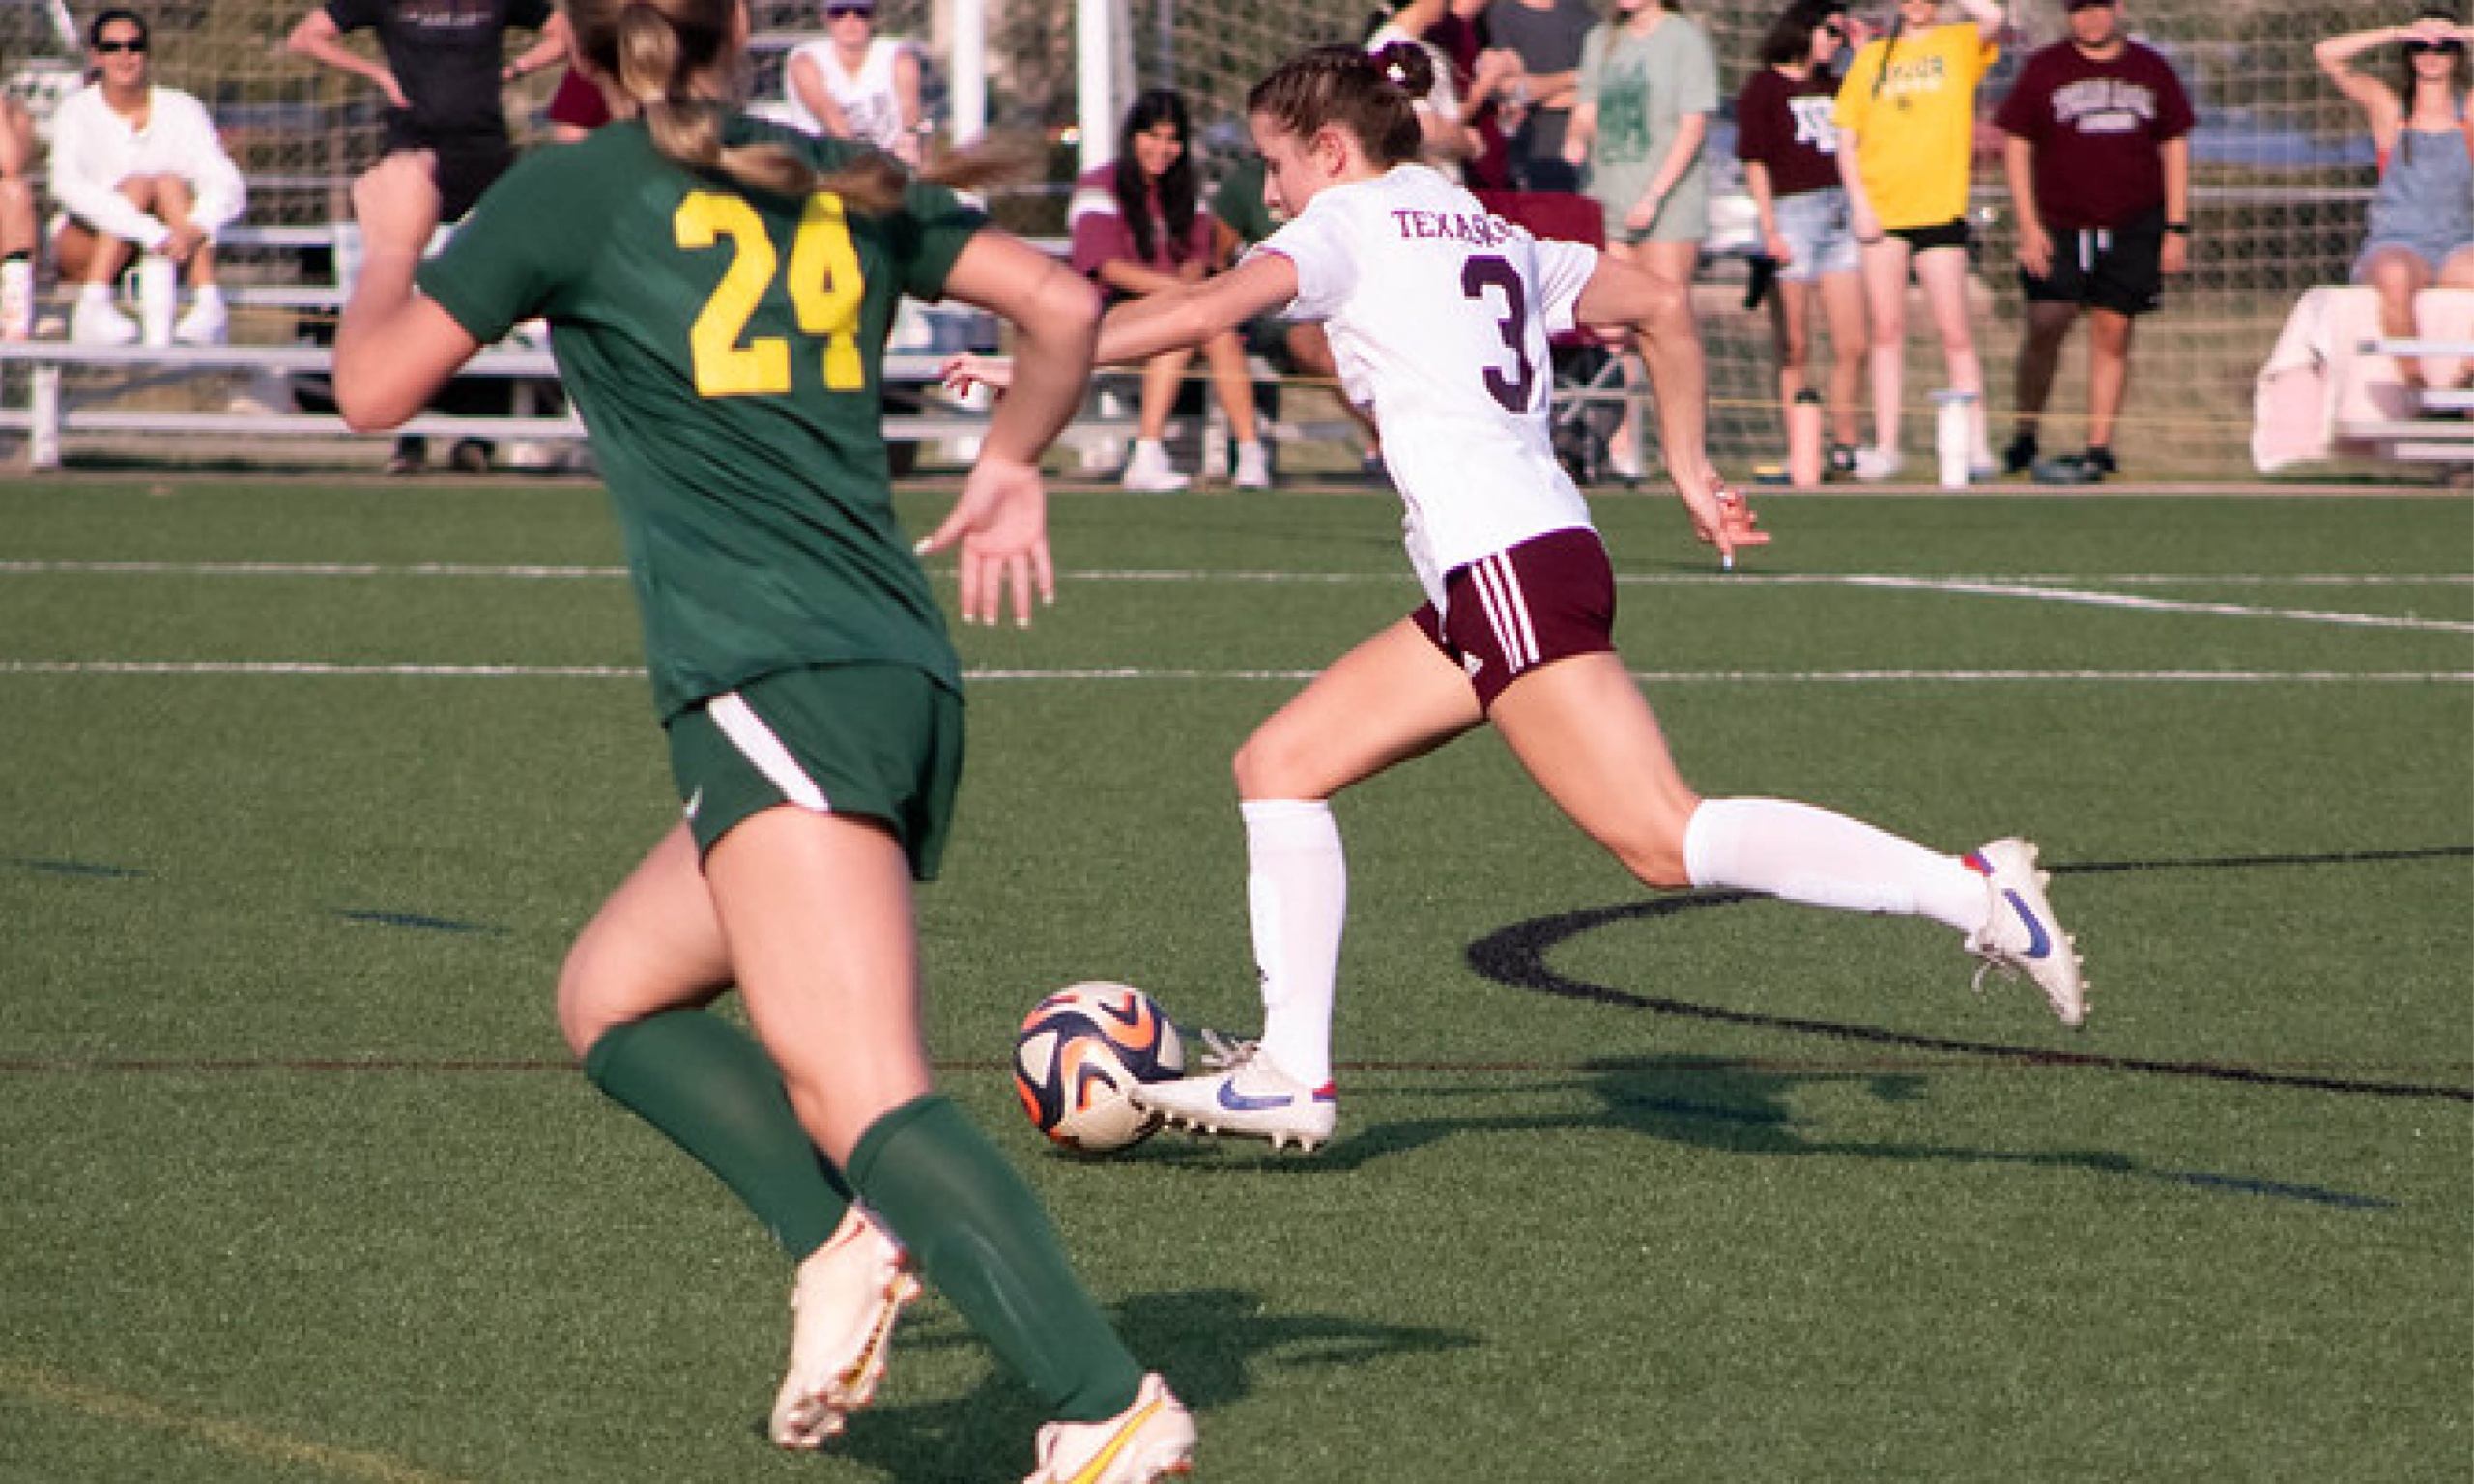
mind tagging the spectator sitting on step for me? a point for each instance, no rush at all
(139, 168)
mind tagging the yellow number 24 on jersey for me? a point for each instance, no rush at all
(826, 289)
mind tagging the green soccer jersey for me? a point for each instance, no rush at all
(722, 346)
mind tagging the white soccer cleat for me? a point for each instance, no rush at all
(97, 323)
(1150, 1439)
(2022, 937)
(843, 1309)
(1246, 1096)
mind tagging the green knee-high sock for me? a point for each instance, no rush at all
(979, 1235)
(709, 1086)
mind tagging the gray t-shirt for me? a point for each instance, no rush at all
(1548, 40)
(1644, 86)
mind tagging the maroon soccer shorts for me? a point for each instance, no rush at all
(1547, 598)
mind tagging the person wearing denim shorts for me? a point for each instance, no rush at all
(1790, 152)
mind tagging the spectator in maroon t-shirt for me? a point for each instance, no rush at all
(1789, 146)
(1139, 227)
(2100, 170)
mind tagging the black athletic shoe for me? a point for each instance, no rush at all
(2093, 466)
(2021, 456)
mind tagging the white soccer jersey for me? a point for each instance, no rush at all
(865, 97)
(1438, 315)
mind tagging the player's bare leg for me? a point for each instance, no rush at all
(1584, 731)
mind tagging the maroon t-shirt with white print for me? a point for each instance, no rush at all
(2099, 128)
(1786, 127)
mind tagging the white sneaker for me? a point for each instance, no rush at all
(1150, 1439)
(2022, 937)
(208, 322)
(849, 1293)
(1253, 467)
(1874, 465)
(1627, 463)
(1150, 470)
(1248, 1096)
(97, 323)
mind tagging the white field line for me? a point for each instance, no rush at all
(2025, 581)
(320, 669)
(2086, 598)
(2044, 590)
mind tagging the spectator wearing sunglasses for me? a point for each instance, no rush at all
(2420, 232)
(2098, 156)
(854, 84)
(137, 169)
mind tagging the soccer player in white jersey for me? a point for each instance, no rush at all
(1438, 315)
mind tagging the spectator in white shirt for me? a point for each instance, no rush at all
(139, 168)
(856, 84)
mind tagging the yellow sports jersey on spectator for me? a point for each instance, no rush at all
(1915, 132)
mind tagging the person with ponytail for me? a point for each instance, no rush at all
(2420, 231)
(718, 290)
(1905, 117)
(1439, 315)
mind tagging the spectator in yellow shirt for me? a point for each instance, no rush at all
(1905, 117)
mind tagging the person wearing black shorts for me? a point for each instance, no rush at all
(2099, 159)
(442, 73)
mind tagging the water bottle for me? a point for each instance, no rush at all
(1954, 436)
(159, 287)
(1803, 441)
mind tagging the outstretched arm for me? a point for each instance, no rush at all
(1656, 311)
(1001, 519)
(1190, 314)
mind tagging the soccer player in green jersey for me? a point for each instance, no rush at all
(719, 292)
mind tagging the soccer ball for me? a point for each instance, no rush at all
(1079, 1053)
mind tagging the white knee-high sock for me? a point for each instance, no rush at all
(1297, 891)
(1813, 856)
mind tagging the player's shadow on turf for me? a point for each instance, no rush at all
(1208, 1342)
(1736, 1108)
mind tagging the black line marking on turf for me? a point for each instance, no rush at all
(417, 919)
(94, 869)
(2245, 1185)
(1517, 956)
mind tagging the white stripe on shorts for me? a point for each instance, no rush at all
(757, 743)
(1506, 609)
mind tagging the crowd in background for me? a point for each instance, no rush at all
(1856, 131)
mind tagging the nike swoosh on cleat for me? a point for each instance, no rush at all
(1236, 1101)
(2038, 944)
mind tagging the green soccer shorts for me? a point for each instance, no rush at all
(880, 742)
